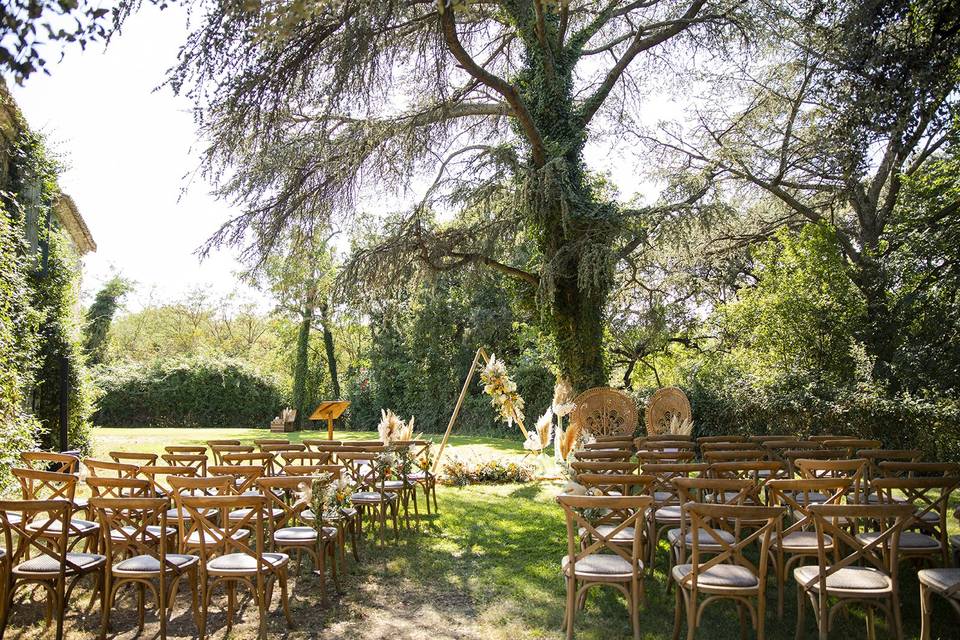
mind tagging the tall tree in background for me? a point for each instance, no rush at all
(317, 108)
(850, 101)
(100, 315)
(300, 276)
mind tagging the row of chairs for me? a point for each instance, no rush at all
(229, 525)
(902, 499)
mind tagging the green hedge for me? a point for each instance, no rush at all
(188, 392)
(931, 425)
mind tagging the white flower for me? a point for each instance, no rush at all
(574, 489)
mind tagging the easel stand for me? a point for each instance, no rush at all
(481, 353)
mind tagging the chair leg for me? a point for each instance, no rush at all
(871, 626)
(925, 605)
(691, 613)
(761, 614)
(284, 598)
(194, 594)
(798, 633)
(677, 613)
(897, 617)
(635, 607)
(571, 605)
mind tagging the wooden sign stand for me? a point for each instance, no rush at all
(481, 353)
(329, 411)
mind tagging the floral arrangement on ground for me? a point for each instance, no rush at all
(460, 473)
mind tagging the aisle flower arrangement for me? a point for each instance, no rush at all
(460, 473)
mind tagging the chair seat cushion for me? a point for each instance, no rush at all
(394, 485)
(240, 514)
(372, 496)
(664, 496)
(669, 513)
(307, 515)
(606, 565)
(955, 541)
(721, 575)
(244, 563)
(76, 527)
(802, 541)
(940, 579)
(302, 534)
(908, 540)
(416, 476)
(194, 538)
(48, 564)
(150, 564)
(846, 579)
(705, 539)
(174, 514)
(627, 534)
(152, 530)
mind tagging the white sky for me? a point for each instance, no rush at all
(130, 150)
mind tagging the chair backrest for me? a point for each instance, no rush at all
(833, 520)
(702, 440)
(918, 469)
(134, 457)
(219, 450)
(281, 493)
(928, 496)
(714, 457)
(852, 470)
(875, 456)
(218, 534)
(619, 445)
(852, 445)
(264, 460)
(619, 512)
(629, 484)
(49, 538)
(823, 437)
(646, 444)
(717, 491)
(120, 487)
(245, 476)
(599, 454)
(304, 458)
(280, 448)
(198, 449)
(160, 475)
(796, 495)
(658, 457)
(218, 443)
(262, 441)
(731, 446)
(603, 411)
(362, 469)
(604, 466)
(221, 485)
(197, 461)
(757, 471)
(45, 485)
(792, 455)
(709, 520)
(310, 443)
(109, 469)
(772, 438)
(128, 526)
(50, 461)
(665, 474)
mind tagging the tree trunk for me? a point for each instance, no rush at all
(301, 367)
(331, 354)
(880, 335)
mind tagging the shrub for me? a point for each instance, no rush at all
(188, 392)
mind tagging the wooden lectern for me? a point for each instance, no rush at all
(330, 411)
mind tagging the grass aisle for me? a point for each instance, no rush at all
(488, 567)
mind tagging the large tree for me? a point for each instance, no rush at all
(848, 102)
(476, 114)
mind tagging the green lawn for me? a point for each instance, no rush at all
(487, 567)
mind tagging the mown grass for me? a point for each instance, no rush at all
(486, 567)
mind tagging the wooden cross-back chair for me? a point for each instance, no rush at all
(196, 487)
(425, 479)
(50, 485)
(722, 491)
(346, 521)
(278, 449)
(853, 470)
(197, 461)
(875, 456)
(41, 556)
(303, 458)
(724, 445)
(134, 457)
(196, 449)
(742, 455)
(852, 570)
(109, 469)
(665, 457)
(231, 558)
(944, 582)
(312, 443)
(372, 499)
(778, 448)
(244, 477)
(798, 541)
(102, 487)
(790, 456)
(772, 438)
(288, 534)
(852, 445)
(925, 532)
(622, 567)
(666, 511)
(138, 541)
(626, 484)
(621, 455)
(265, 441)
(604, 466)
(646, 444)
(757, 471)
(160, 475)
(264, 460)
(728, 574)
(219, 450)
(892, 469)
(824, 437)
(51, 461)
(610, 445)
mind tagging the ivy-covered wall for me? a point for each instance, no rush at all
(40, 322)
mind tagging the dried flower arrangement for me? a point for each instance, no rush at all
(502, 391)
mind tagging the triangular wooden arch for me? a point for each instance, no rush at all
(481, 353)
